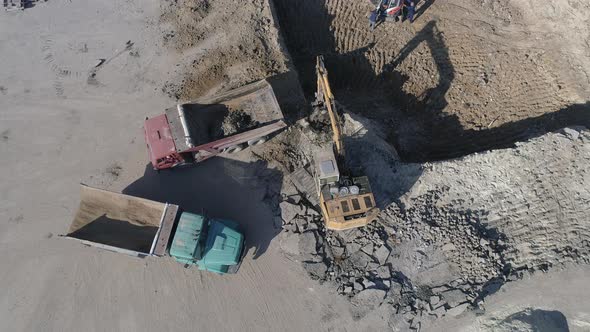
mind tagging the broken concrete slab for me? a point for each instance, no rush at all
(301, 224)
(383, 272)
(454, 297)
(571, 133)
(316, 269)
(434, 299)
(438, 312)
(303, 181)
(368, 248)
(308, 243)
(358, 286)
(381, 254)
(289, 211)
(352, 248)
(338, 251)
(368, 283)
(369, 298)
(360, 260)
(456, 311)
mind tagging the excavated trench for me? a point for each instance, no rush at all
(437, 96)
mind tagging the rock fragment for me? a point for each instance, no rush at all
(456, 311)
(289, 211)
(381, 254)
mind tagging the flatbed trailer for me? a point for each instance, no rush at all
(192, 132)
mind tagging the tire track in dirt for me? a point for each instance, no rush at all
(62, 72)
(464, 92)
(537, 195)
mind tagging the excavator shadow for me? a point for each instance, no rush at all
(367, 153)
(373, 81)
(245, 192)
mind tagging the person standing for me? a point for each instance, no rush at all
(378, 14)
(411, 8)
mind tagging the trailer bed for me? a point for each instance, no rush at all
(202, 119)
(122, 223)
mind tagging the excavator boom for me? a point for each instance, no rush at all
(325, 93)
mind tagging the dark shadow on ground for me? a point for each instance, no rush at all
(536, 320)
(287, 89)
(117, 233)
(422, 7)
(420, 127)
(247, 193)
(367, 154)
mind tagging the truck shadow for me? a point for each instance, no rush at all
(117, 233)
(246, 192)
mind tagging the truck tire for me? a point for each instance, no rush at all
(257, 141)
(233, 149)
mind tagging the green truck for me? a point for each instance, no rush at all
(142, 227)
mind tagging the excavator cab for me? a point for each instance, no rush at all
(346, 201)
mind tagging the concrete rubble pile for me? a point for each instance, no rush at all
(428, 255)
(361, 263)
(434, 252)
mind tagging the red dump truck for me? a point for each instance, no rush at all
(225, 123)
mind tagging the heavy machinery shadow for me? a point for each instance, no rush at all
(247, 193)
(422, 7)
(421, 127)
(441, 135)
(287, 89)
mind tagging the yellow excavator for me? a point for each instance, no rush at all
(346, 201)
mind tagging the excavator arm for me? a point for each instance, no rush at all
(324, 94)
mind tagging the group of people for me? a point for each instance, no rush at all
(404, 8)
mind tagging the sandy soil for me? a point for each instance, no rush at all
(537, 303)
(78, 78)
(467, 76)
(61, 125)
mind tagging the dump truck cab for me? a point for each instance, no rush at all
(160, 143)
(228, 122)
(142, 227)
(214, 245)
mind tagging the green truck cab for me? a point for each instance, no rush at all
(142, 227)
(214, 245)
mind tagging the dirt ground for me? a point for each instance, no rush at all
(61, 125)
(78, 78)
(467, 76)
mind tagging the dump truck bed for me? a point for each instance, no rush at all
(122, 223)
(202, 121)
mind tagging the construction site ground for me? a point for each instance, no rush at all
(469, 123)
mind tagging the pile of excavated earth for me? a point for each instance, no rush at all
(463, 230)
(469, 124)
